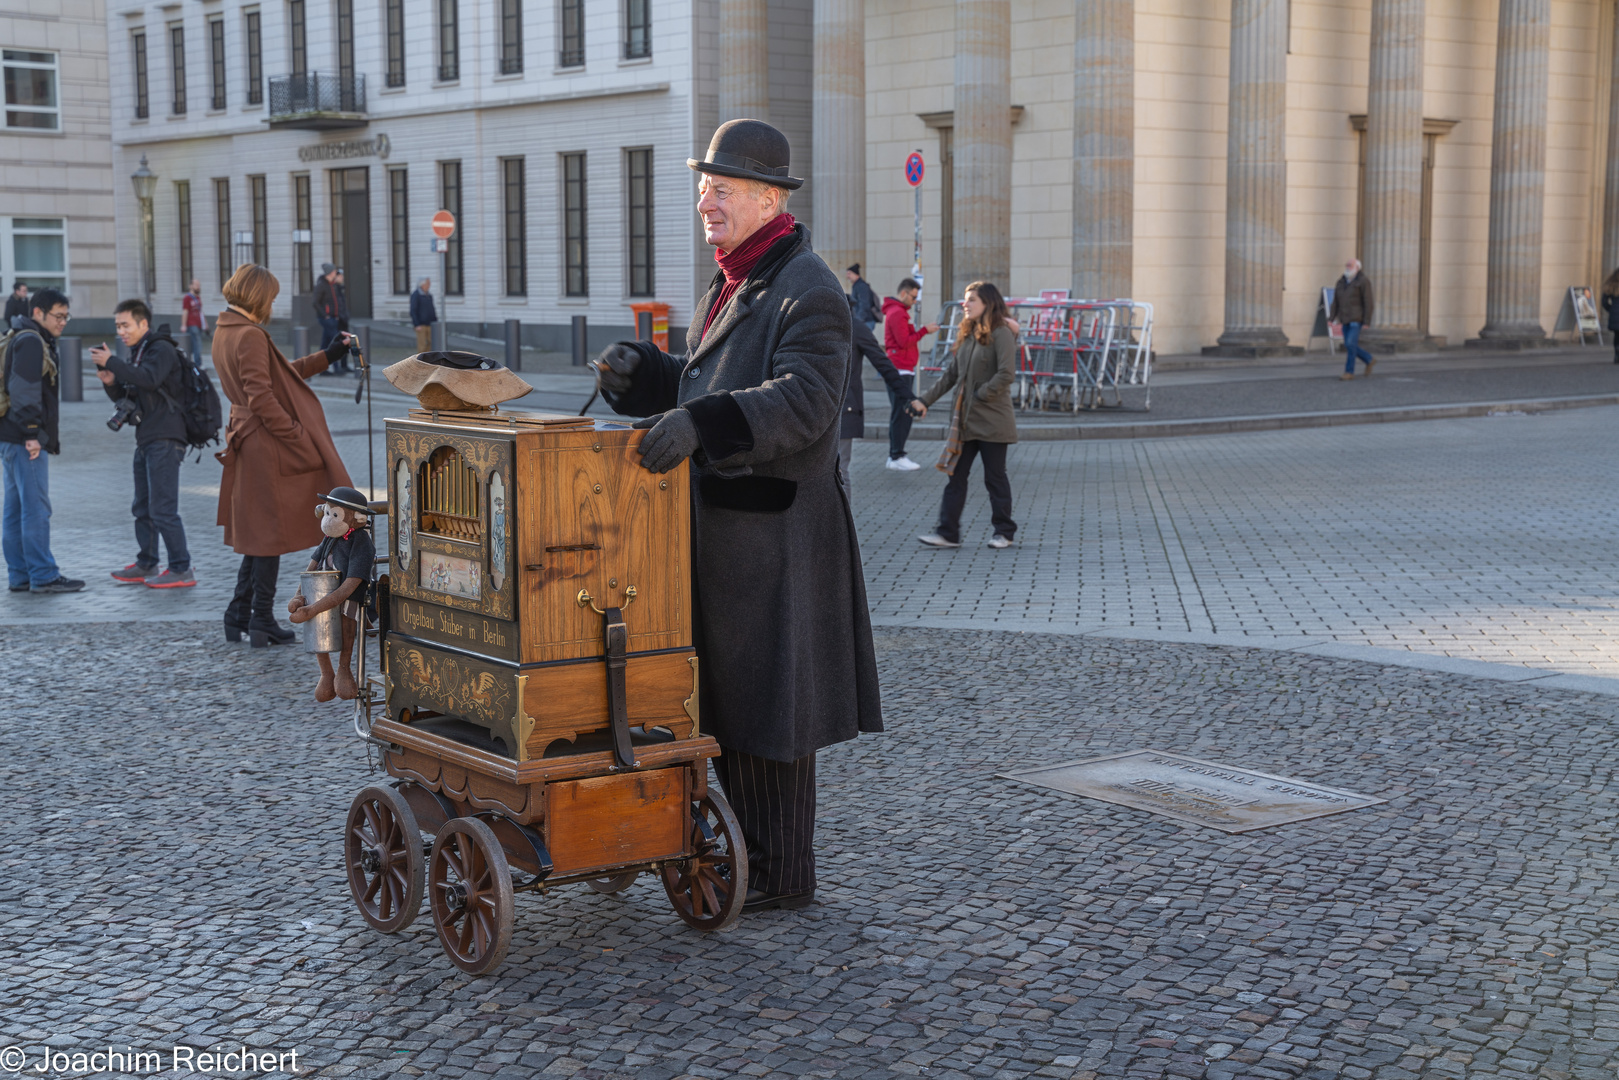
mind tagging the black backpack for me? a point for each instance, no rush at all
(199, 405)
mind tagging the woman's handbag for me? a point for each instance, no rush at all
(952, 438)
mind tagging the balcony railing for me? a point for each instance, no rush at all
(317, 101)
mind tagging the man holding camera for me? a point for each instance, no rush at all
(146, 391)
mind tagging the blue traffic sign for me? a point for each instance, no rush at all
(913, 169)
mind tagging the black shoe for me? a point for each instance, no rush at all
(60, 585)
(25, 586)
(274, 634)
(233, 632)
(759, 900)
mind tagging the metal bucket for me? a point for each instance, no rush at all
(323, 633)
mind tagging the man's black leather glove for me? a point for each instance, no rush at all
(614, 368)
(673, 439)
(335, 351)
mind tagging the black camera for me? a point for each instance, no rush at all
(124, 411)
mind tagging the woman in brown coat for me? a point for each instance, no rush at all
(279, 457)
(981, 371)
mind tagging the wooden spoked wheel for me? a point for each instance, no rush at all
(709, 888)
(615, 884)
(382, 850)
(470, 888)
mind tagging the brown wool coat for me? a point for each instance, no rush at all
(279, 457)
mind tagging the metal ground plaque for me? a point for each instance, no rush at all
(1202, 792)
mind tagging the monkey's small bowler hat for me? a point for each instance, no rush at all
(347, 497)
(748, 150)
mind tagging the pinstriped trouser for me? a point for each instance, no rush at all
(774, 802)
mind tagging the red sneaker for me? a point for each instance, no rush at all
(134, 574)
(168, 579)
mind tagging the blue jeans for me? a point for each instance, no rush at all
(328, 332)
(1352, 347)
(25, 523)
(157, 503)
(194, 335)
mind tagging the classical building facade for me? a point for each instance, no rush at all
(56, 175)
(1220, 159)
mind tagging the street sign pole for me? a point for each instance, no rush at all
(913, 176)
(443, 229)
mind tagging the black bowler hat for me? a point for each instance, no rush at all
(748, 150)
(347, 497)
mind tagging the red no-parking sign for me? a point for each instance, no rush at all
(913, 169)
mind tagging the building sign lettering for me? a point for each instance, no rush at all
(377, 146)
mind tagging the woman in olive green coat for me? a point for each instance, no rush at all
(981, 375)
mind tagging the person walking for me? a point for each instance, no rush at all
(278, 456)
(340, 287)
(1610, 304)
(423, 315)
(325, 304)
(17, 302)
(899, 339)
(982, 424)
(28, 438)
(789, 666)
(147, 389)
(853, 425)
(1352, 309)
(862, 298)
(192, 320)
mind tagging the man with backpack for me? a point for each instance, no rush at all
(29, 407)
(148, 391)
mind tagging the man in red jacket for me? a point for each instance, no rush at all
(899, 341)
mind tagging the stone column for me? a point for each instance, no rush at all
(1517, 176)
(838, 142)
(744, 60)
(1394, 173)
(1256, 181)
(1610, 209)
(982, 149)
(1104, 147)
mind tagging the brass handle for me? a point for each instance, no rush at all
(586, 600)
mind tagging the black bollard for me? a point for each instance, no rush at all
(440, 340)
(514, 344)
(578, 341)
(70, 354)
(300, 342)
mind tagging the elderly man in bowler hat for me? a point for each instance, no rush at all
(782, 626)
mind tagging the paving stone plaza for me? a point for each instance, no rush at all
(1423, 612)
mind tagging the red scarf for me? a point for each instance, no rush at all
(739, 262)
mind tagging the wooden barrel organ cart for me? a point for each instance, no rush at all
(537, 704)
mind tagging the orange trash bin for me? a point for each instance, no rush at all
(652, 323)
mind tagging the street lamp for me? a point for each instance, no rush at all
(145, 183)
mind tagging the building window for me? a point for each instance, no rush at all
(449, 40)
(142, 104)
(261, 221)
(638, 165)
(31, 101)
(297, 37)
(222, 228)
(637, 29)
(345, 47)
(177, 63)
(37, 250)
(511, 36)
(216, 56)
(399, 228)
(572, 53)
(303, 220)
(449, 190)
(255, 57)
(182, 205)
(514, 215)
(575, 244)
(396, 42)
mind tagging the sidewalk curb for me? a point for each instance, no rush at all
(1315, 646)
(1040, 431)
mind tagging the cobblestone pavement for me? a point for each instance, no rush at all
(173, 878)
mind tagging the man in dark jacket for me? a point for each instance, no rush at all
(423, 315)
(862, 298)
(854, 397)
(17, 302)
(1352, 309)
(28, 435)
(782, 626)
(341, 291)
(899, 339)
(150, 383)
(325, 304)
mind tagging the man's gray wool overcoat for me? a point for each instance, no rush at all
(783, 631)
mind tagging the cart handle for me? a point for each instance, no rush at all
(586, 600)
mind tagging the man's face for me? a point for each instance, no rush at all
(730, 212)
(196, 286)
(1349, 269)
(53, 320)
(427, 284)
(130, 329)
(907, 297)
(852, 276)
(20, 290)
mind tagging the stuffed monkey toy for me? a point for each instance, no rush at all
(345, 519)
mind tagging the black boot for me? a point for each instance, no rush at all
(240, 608)
(262, 628)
